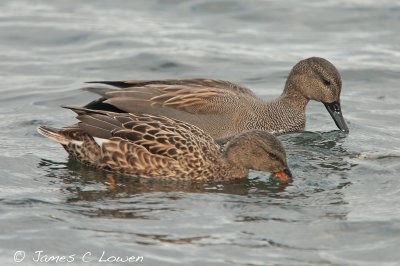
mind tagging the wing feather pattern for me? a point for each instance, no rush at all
(146, 145)
(195, 96)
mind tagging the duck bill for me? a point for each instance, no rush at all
(285, 176)
(335, 111)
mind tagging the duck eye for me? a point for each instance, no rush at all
(273, 157)
(326, 82)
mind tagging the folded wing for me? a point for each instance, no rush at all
(213, 105)
(146, 145)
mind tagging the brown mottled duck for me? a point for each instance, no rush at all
(150, 146)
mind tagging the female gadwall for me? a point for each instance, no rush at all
(222, 108)
(156, 146)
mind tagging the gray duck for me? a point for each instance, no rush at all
(224, 109)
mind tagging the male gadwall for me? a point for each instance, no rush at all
(222, 108)
(151, 146)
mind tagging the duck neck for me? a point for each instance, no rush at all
(294, 97)
(284, 114)
(236, 159)
(235, 170)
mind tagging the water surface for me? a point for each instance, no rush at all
(342, 208)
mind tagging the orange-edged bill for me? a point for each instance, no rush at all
(285, 176)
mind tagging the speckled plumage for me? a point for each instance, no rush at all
(222, 108)
(159, 147)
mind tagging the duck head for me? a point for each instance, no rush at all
(260, 151)
(317, 79)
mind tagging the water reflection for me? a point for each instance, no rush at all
(90, 184)
(320, 153)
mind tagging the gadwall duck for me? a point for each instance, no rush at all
(150, 146)
(222, 108)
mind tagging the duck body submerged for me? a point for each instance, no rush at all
(151, 146)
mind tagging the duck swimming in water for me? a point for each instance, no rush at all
(223, 109)
(150, 146)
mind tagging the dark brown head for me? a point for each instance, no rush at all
(261, 151)
(317, 79)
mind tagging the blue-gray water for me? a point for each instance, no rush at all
(343, 207)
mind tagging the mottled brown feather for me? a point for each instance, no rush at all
(160, 147)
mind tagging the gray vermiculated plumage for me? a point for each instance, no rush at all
(159, 147)
(224, 109)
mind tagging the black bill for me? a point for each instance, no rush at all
(336, 112)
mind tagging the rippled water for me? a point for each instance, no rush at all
(344, 205)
